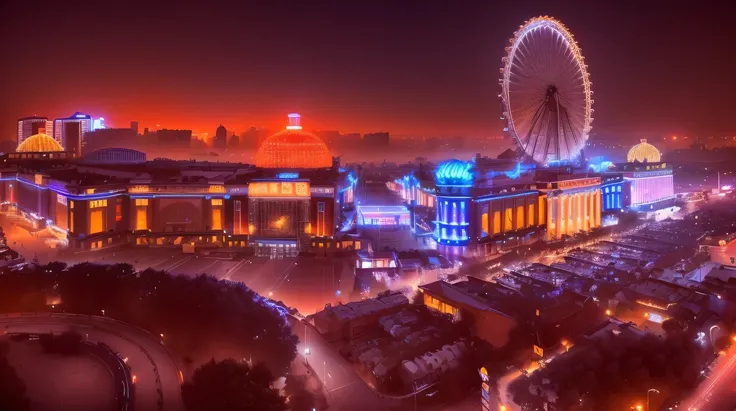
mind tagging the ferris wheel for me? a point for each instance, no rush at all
(546, 93)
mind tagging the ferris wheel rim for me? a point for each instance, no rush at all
(508, 61)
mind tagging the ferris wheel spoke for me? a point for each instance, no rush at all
(537, 114)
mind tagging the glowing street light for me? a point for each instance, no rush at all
(650, 390)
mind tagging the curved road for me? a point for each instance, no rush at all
(146, 355)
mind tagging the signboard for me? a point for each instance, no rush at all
(287, 176)
(538, 350)
(581, 182)
(279, 189)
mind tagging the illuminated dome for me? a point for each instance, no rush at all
(644, 152)
(293, 148)
(39, 143)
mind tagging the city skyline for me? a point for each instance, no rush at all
(407, 69)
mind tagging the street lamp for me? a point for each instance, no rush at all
(710, 332)
(650, 390)
(307, 351)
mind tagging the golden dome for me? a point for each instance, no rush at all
(39, 143)
(293, 148)
(644, 152)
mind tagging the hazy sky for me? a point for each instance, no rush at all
(408, 67)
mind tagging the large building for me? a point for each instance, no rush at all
(220, 140)
(293, 148)
(114, 196)
(647, 182)
(573, 201)
(30, 126)
(39, 143)
(70, 131)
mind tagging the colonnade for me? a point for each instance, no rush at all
(573, 212)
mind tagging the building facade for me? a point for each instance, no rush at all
(30, 126)
(70, 131)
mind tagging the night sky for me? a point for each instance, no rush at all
(411, 68)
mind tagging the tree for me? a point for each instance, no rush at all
(197, 316)
(612, 372)
(229, 385)
(671, 326)
(299, 397)
(12, 388)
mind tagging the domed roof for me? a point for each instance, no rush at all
(293, 148)
(39, 143)
(454, 172)
(644, 152)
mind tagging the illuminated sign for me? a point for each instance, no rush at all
(287, 176)
(322, 190)
(279, 189)
(539, 351)
(81, 116)
(216, 189)
(581, 182)
(454, 172)
(483, 374)
(656, 318)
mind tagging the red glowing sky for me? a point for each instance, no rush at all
(414, 68)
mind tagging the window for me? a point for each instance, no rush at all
(97, 203)
(141, 219)
(95, 222)
(141, 201)
(119, 210)
(217, 218)
(530, 220)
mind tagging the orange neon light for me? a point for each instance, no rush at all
(279, 189)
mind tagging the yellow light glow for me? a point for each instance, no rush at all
(293, 148)
(39, 143)
(608, 312)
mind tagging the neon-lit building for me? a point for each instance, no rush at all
(30, 126)
(293, 148)
(615, 193)
(70, 131)
(480, 208)
(115, 196)
(39, 143)
(573, 201)
(647, 182)
(383, 216)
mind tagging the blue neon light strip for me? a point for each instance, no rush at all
(491, 198)
(66, 193)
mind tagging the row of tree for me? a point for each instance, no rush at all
(614, 373)
(12, 388)
(199, 318)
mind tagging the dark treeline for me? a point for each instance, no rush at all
(614, 373)
(199, 317)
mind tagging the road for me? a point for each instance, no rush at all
(346, 390)
(146, 355)
(720, 383)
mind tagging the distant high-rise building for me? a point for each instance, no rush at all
(220, 140)
(29, 126)
(134, 126)
(98, 123)
(376, 139)
(234, 141)
(145, 130)
(175, 138)
(70, 131)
